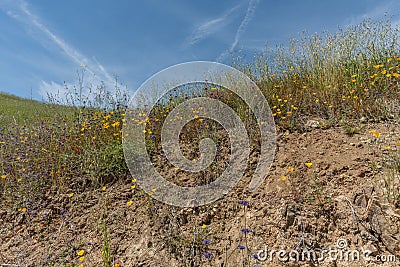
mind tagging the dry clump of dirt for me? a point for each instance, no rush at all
(342, 195)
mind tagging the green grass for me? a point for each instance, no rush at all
(19, 111)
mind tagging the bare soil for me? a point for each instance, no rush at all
(343, 196)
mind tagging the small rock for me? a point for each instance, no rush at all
(290, 215)
(371, 248)
(312, 124)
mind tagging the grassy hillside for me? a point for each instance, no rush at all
(67, 197)
(19, 111)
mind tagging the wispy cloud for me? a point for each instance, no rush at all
(53, 90)
(210, 27)
(390, 8)
(247, 18)
(20, 11)
(251, 8)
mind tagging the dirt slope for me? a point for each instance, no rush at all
(342, 196)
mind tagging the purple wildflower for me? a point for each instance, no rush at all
(206, 241)
(245, 231)
(207, 255)
(244, 202)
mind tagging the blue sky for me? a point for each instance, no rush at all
(44, 43)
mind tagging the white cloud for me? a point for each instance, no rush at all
(210, 27)
(12, 14)
(247, 18)
(68, 93)
(49, 90)
(19, 10)
(391, 8)
(251, 8)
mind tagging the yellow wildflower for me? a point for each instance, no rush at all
(80, 252)
(375, 133)
(378, 66)
(115, 124)
(22, 210)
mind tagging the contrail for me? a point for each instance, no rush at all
(247, 18)
(209, 27)
(31, 19)
(242, 28)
